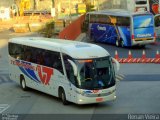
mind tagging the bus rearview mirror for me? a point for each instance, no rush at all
(74, 67)
(117, 63)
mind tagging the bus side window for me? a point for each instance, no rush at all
(107, 20)
(39, 58)
(15, 50)
(157, 21)
(48, 59)
(57, 62)
(27, 54)
(123, 21)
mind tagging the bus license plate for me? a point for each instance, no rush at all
(99, 99)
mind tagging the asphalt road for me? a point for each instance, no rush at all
(136, 51)
(133, 97)
(137, 92)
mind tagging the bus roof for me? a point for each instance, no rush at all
(119, 12)
(75, 49)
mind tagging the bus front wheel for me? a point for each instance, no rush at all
(23, 84)
(62, 95)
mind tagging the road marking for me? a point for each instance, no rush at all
(8, 79)
(120, 77)
(5, 79)
(3, 107)
(1, 80)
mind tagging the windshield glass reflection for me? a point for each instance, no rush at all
(95, 74)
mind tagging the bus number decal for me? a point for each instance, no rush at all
(45, 74)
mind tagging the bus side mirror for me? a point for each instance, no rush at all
(117, 63)
(74, 67)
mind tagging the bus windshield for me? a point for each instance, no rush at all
(143, 21)
(95, 74)
(157, 21)
(142, 2)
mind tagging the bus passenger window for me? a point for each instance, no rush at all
(47, 59)
(27, 55)
(57, 62)
(40, 59)
(157, 21)
(15, 50)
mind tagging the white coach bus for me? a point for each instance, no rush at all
(78, 72)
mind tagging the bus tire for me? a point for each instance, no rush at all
(23, 83)
(62, 96)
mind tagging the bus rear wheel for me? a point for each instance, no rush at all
(23, 84)
(62, 95)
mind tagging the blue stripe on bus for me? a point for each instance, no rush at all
(30, 72)
(23, 70)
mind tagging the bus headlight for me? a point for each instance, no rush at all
(80, 92)
(80, 100)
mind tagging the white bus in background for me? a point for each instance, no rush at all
(78, 72)
(131, 5)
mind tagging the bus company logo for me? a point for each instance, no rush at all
(144, 35)
(91, 91)
(45, 74)
(28, 69)
(95, 91)
(101, 28)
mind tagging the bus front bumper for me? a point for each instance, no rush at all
(91, 100)
(142, 42)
